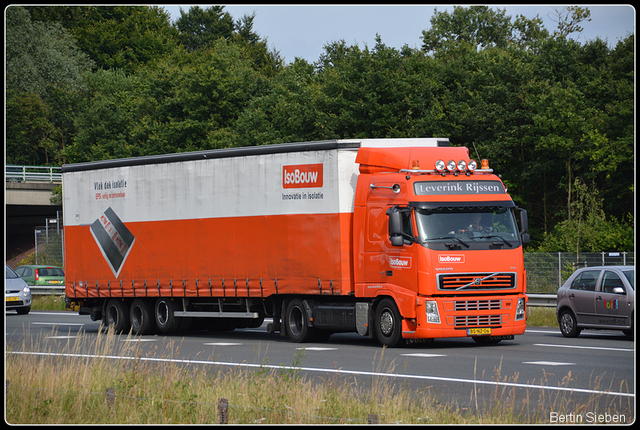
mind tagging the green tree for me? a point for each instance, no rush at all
(480, 27)
(200, 27)
(119, 37)
(589, 229)
(40, 56)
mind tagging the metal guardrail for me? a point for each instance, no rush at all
(15, 173)
(47, 290)
(542, 300)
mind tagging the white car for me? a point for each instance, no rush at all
(17, 293)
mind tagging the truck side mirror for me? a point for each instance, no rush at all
(396, 226)
(524, 226)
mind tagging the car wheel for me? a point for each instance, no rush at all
(117, 315)
(23, 311)
(388, 324)
(568, 324)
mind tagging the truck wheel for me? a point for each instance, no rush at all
(568, 324)
(142, 319)
(118, 315)
(388, 324)
(165, 320)
(297, 317)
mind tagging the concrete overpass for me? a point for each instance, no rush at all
(28, 192)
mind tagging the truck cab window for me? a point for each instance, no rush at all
(469, 224)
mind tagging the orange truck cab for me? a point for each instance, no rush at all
(395, 239)
(438, 234)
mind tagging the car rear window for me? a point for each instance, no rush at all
(50, 271)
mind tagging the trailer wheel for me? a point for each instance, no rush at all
(165, 320)
(297, 317)
(117, 315)
(388, 324)
(142, 319)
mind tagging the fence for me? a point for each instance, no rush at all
(546, 272)
(32, 173)
(49, 240)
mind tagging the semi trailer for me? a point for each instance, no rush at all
(395, 239)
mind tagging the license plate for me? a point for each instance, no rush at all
(55, 282)
(13, 299)
(479, 331)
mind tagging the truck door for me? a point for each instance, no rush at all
(386, 263)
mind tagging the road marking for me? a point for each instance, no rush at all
(329, 370)
(549, 363)
(61, 337)
(222, 344)
(317, 348)
(60, 323)
(422, 355)
(139, 340)
(584, 347)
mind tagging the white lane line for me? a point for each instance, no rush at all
(422, 355)
(138, 340)
(329, 370)
(549, 363)
(317, 348)
(584, 347)
(61, 337)
(57, 323)
(222, 344)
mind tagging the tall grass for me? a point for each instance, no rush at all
(72, 389)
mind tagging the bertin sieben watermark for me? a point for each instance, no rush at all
(587, 418)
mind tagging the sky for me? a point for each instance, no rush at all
(303, 30)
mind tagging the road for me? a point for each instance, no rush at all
(537, 366)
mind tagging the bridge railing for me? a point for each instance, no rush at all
(16, 173)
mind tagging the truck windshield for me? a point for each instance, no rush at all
(467, 225)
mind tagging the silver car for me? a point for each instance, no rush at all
(600, 297)
(17, 294)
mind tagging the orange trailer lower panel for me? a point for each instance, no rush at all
(218, 257)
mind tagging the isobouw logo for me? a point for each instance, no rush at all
(302, 176)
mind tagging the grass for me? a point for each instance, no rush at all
(72, 389)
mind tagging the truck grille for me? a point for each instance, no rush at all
(477, 305)
(477, 320)
(476, 281)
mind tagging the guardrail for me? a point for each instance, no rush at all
(15, 173)
(47, 290)
(542, 300)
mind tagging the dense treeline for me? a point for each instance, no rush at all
(554, 116)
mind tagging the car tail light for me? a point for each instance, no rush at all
(37, 274)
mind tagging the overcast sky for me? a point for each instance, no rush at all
(302, 31)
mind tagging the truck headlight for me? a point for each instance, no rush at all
(520, 310)
(433, 316)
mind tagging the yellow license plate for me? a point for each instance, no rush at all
(55, 282)
(479, 331)
(13, 299)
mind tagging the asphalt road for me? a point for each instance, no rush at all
(597, 368)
